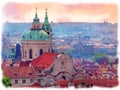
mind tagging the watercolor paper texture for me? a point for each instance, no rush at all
(59, 45)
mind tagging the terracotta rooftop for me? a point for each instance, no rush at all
(62, 82)
(24, 63)
(19, 72)
(44, 60)
(36, 85)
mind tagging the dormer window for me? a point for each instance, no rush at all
(15, 74)
(30, 74)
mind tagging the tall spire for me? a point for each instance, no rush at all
(36, 25)
(36, 17)
(46, 18)
(46, 25)
(36, 14)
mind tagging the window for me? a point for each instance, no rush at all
(39, 71)
(48, 33)
(23, 36)
(31, 80)
(47, 28)
(34, 26)
(62, 65)
(15, 74)
(37, 27)
(62, 62)
(23, 81)
(30, 74)
(41, 51)
(43, 27)
(63, 77)
(30, 36)
(30, 54)
(16, 81)
(38, 80)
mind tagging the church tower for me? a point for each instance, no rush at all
(46, 25)
(36, 40)
(36, 25)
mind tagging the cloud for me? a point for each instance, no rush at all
(59, 12)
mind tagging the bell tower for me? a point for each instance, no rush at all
(36, 25)
(46, 25)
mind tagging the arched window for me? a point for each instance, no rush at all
(41, 51)
(30, 36)
(47, 28)
(48, 33)
(34, 26)
(37, 26)
(63, 77)
(30, 54)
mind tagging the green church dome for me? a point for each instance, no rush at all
(35, 35)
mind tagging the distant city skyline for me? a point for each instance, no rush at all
(59, 12)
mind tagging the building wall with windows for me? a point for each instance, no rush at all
(24, 81)
(33, 49)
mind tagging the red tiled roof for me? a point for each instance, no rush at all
(19, 72)
(44, 60)
(36, 85)
(17, 62)
(78, 81)
(3, 65)
(62, 82)
(24, 63)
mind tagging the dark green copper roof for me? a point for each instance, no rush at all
(35, 35)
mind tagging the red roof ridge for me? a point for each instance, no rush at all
(45, 60)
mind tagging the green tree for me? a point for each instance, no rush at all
(6, 81)
(99, 56)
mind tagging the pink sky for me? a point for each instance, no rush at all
(59, 12)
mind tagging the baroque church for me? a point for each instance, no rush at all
(38, 39)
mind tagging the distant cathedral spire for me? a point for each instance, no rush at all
(105, 21)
